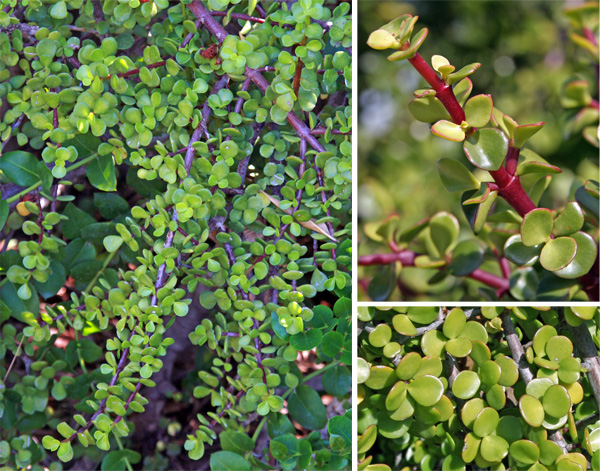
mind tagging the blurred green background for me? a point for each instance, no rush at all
(526, 58)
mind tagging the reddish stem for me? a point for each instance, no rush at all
(510, 188)
(512, 159)
(407, 258)
(443, 91)
(594, 104)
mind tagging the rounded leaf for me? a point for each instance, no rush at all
(586, 313)
(381, 335)
(426, 390)
(408, 366)
(363, 370)
(455, 176)
(493, 448)
(531, 410)
(537, 387)
(536, 227)
(558, 253)
(486, 422)
(403, 325)
(428, 109)
(486, 148)
(556, 401)
(496, 397)
(478, 110)
(112, 243)
(459, 347)
(490, 372)
(381, 39)
(380, 377)
(444, 229)
(396, 396)
(390, 428)
(467, 257)
(524, 451)
(448, 130)
(570, 220)
(466, 384)
(454, 323)
(558, 348)
(584, 258)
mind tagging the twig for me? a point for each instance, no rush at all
(516, 349)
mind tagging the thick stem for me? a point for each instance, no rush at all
(443, 91)
(512, 158)
(510, 188)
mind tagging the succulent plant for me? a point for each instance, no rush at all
(175, 167)
(517, 248)
(492, 387)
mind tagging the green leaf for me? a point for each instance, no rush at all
(236, 442)
(383, 283)
(570, 220)
(448, 130)
(467, 256)
(65, 452)
(4, 207)
(536, 227)
(19, 167)
(426, 390)
(428, 109)
(112, 243)
(524, 451)
(462, 73)
(306, 340)
(55, 281)
(444, 230)
(101, 173)
(228, 461)
(78, 219)
(528, 167)
(381, 39)
(332, 343)
(111, 205)
(522, 133)
(116, 460)
(455, 176)
(478, 110)
(584, 258)
(558, 253)
(59, 11)
(341, 426)
(486, 148)
(415, 43)
(306, 408)
(519, 253)
(337, 381)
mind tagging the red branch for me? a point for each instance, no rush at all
(407, 258)
(509, 186)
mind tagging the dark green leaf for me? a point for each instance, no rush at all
(20, 167)
(228, 461)
(306, 408)
(101, 173)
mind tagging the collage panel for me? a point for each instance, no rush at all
(477, 151)
(176, 235)
(478, 388)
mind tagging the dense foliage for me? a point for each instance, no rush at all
(510, 233)
(484, 388)
(176, 178)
